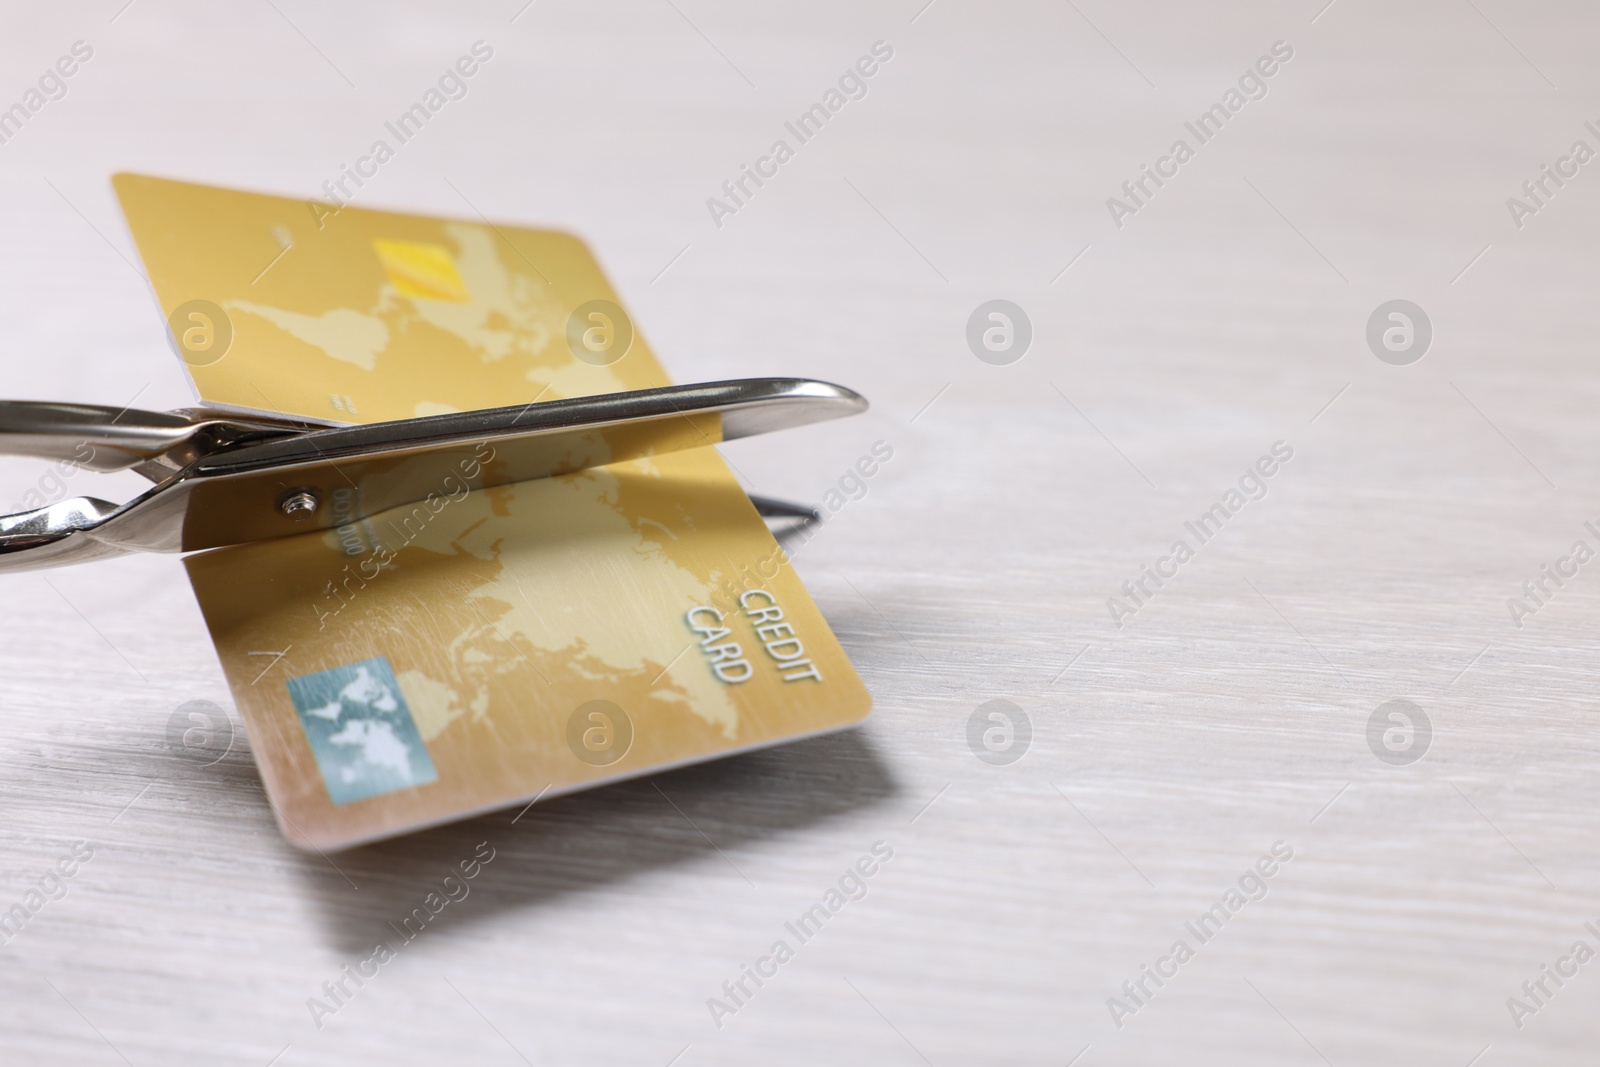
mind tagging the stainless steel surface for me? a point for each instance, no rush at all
(111, 439)
(243, 481)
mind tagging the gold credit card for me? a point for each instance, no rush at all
(482, 648)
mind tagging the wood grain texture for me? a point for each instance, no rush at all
(1228, 713)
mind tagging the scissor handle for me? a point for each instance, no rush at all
(156, 444)
(100, 438)
(43, 537)
(87, 435)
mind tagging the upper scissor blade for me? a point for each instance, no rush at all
(646, 421)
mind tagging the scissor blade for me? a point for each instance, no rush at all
(330, 478)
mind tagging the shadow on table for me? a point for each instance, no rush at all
(577, 843)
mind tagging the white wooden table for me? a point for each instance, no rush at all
(1230, 712)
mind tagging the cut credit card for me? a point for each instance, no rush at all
(485, 647)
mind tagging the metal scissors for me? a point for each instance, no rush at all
(222, 479)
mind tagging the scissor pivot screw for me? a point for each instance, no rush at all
(300, 504)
